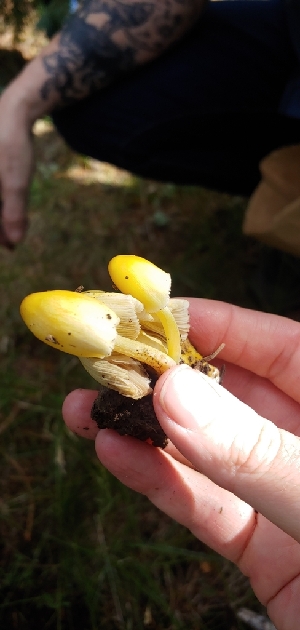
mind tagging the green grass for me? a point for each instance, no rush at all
(79, 550)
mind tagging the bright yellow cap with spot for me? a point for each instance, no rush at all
(71, 322)
(140, 278)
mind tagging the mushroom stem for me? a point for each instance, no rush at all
(192, 357)
(158, 360)
(171, 331)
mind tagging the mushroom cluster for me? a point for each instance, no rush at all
(119, 337)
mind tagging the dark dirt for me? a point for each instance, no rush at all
(111, 410)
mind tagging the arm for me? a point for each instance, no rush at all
(102, 41)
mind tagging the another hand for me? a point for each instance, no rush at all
(16, 167)
(231, 476)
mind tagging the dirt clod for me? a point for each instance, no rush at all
(111, 410)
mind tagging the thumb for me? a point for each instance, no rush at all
(232, 445)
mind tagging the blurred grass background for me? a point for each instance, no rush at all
(78, 550)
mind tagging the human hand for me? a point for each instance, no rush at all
(230, 475)
(16, 167)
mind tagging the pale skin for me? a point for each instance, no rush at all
(231, 473)
(104, 40)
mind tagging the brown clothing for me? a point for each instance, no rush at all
(273, 213)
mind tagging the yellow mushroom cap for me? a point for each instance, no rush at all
(71, 322)
(142, 279)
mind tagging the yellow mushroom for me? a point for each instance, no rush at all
(81, 325)
(71, 322)
(114, 334)
(150, 285)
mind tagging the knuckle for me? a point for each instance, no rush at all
(260, 454)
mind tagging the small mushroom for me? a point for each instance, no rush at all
(150, 285)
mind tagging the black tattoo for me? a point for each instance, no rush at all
(107, 38)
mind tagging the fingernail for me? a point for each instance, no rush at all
(187, 395)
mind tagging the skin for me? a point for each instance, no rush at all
(102, 41)
(231, 472)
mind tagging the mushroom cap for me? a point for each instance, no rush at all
(142, 279)
(71, 322)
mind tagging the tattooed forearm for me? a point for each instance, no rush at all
(106, 38)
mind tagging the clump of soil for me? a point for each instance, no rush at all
(137, 418)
